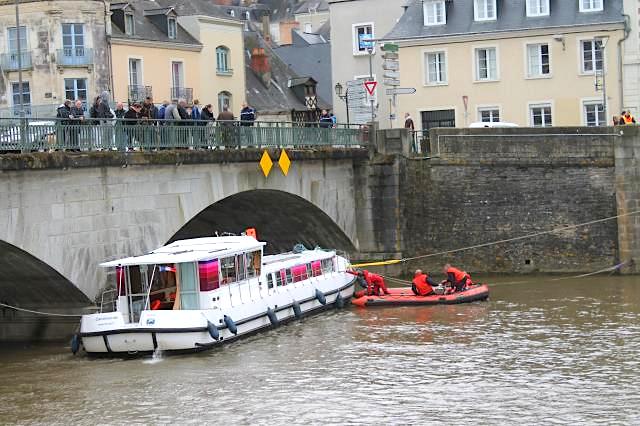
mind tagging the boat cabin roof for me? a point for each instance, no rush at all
(276, 262)
(192, 250)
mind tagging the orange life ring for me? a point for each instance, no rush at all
(155, 305)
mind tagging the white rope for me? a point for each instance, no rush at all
(40, 313)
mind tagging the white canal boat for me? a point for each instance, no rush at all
(196, 294)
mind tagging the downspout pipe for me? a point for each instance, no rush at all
(627, 32)
(107, 30)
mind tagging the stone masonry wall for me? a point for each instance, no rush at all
(493, 184)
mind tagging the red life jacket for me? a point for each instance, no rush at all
(422, 286)
(458, 274)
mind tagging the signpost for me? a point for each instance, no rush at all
(401, 91)
(366, 41)
(359, 102)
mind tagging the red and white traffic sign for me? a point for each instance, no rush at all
(371, 87)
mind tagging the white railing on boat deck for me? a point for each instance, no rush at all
(111, 302)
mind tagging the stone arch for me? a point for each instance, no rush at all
(282, 220)
(27, 282)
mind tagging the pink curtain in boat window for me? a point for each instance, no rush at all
(120, 284)
(209, 275)
(316, 267)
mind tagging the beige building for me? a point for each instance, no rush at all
(177, 52)
(528, 62)
(630, 60)
(64, 53)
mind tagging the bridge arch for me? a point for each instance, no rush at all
(282, 220)
(27, 282)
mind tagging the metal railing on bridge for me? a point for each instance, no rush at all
(98, 135)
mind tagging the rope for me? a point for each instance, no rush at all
(40, 313)
(493, 243)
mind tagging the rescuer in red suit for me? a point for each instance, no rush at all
(458, 279)
(375, 283)
(422, 284)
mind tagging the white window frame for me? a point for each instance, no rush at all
(540, 104)
(172, 35)
(139, 71)
(445, 65)
(592, 5)
(484, 4)
(483, 108)
(476, 64)
(182, 69)
(581, 51)
(24, 47)
(534, 8)
(584, 102)
(429, 9)
(131, 28)
(539, 73)
(355, 39)
(25, 106)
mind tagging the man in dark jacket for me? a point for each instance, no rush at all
(63, 114)
(120, 111)
(247, 115)
(131, 120)
(226, 120)
(325, 120)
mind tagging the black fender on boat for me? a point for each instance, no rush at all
(297, 311)
(75, 344)
(321, 297)
(213, 331)
(273, 317)
(231, 325)
(339, 301)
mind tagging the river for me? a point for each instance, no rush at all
(540, 351)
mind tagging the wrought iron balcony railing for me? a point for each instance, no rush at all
(139, 93)
(9, 61)
(185, 93)
(75, 56)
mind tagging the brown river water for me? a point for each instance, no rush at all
(538, 352)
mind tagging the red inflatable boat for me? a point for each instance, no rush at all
(404, 296)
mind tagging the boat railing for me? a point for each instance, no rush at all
(108, 301)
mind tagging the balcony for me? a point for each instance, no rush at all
(185, 93)
(139, 93)
(9, 61)
(75, 57)
(224, 71)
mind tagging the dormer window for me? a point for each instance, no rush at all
(129, 26)
(537, 8)
(172, 28)
(484, 10)
(591, 5)
(434, 12)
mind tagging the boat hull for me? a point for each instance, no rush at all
(193, 335)
(405, 297)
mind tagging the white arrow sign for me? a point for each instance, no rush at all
(401, 91)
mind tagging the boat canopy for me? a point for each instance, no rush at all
(193, 250)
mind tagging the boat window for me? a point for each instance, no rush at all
(241, 267)
(327, 266)
(209, 272)
(289, 276)
(228, 269)
(269, 281)
(254, 261)
(317, 268)
(163, 286)
(188, 286)
(136, 279)
(280, 278)
(299, 273)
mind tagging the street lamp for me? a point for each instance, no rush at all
(602, 41)
(345, 97)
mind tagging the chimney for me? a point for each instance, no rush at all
(260, 65)
(266, 28)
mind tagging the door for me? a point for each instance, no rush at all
(73, 40)
(189, 285)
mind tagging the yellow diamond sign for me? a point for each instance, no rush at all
(265, 163)
(284, 162)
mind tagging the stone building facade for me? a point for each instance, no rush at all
(65, 52)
